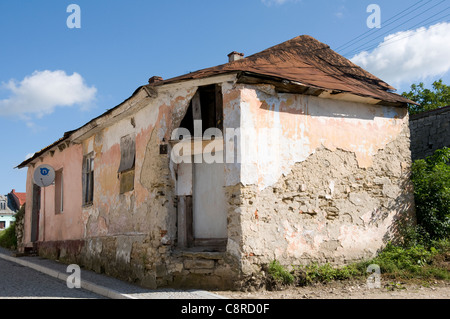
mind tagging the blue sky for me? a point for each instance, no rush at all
(54, 79)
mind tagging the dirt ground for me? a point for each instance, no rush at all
(352, 290)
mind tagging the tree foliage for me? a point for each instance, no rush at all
(431, 179)
(438, 96)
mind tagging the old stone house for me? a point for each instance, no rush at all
(293, 153)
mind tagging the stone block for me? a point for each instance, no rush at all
(198, 264)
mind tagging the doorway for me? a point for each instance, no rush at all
(35, 209)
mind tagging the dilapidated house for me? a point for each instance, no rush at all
(294, 154)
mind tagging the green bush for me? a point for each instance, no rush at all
(431, 179)
(394, 258)
(413, 262)
(280, 274)
(8, 237)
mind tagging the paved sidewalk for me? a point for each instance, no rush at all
(104, 285)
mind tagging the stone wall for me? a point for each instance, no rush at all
(429, 131)
(19, 227)
(133, 259)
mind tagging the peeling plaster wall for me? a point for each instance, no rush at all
(323, 180)
(133, 236)
(67, 225)
(283, 129)
(126, 232)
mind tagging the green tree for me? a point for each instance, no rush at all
(431, 179)
(437, 97)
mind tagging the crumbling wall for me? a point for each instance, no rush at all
(330, 184)
(129, 235)
(132, 236)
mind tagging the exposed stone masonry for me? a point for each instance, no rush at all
(334, 216)
(429, 131)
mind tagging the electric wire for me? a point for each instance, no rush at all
(347, 44)
(394, 39)
(390, 30)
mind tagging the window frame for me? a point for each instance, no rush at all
(126, 168)
(88, 179)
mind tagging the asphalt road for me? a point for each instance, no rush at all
(19, 282)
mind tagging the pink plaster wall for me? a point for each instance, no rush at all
(66, 225)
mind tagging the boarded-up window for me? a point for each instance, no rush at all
(126, 167)
(127, 151)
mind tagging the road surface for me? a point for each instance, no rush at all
(19, 282)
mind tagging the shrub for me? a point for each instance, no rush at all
(431, 179)
(413, 262)
(8, 237)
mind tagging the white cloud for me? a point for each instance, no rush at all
(43, 91)
(409, 56)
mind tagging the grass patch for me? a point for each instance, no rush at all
(326, 273)
(280, 274)
(418, 262)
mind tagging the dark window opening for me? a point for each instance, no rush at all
(209, 100)
(88, 179)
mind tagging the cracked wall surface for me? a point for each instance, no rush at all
(323, 180)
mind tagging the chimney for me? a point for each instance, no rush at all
(234, 56)
(155, 79)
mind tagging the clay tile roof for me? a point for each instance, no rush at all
(22, 197)
(302, 60)
(307, 61)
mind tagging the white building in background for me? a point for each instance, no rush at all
(9, 206)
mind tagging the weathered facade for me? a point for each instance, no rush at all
(312, 170)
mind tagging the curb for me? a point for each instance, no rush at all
(99, 290)
(95, 288)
